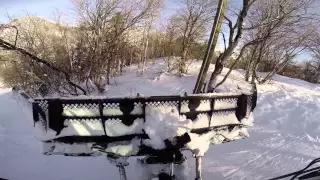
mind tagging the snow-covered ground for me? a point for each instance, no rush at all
(284, 139)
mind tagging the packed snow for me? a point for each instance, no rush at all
(285, 136)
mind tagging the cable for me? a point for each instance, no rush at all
(300, 172)
(303, 170)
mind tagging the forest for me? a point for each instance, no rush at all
(272, 36)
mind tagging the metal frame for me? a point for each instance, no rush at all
(53, 117)
(50, 113)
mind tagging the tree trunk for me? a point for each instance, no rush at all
(131, 58)
(248, 71)
(250, 63)
(182, 63)
(214, 76)
(233, 42)
(211, 46)
(254, 75)
(145, 53)
(257, 61)
(108, 71)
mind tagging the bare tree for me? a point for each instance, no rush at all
(273, 32)
(190, 23)
(312, 68)
(145, 43)
(235, 34)
(36, 58)
(105, 25)
(280, 25)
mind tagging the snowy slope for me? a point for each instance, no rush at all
(285, 137)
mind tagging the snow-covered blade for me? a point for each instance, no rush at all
(88, 123)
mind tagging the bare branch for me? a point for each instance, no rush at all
(236, 61)
(8, 46)
(224, 41)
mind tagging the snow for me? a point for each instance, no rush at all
(284, 138)
(151, 170)
(112, 111)
(204, 106)
(126, 148)
(117, 128)
(80, 112)
(199, 144)
(164, 123)
(82, 128)
(59, 148)
(42, 134)
(202, 121)
(223, 118)
(225, 104)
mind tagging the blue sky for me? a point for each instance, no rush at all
(41, 8)
(48, 8)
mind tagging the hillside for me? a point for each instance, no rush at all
(284, 139)
(34, 26)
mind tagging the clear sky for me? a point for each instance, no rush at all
(42, 8)
(47, 9)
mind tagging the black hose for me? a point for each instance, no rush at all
(300, 172)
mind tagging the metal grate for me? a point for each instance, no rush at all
(81, 109)
(162, 103)
(111, 105)
(81, 121)
(111, 109)
(81, 105)
(117, 115)
(138, 108)
(225, 103)
(43, 104)
(223, 113)
(184, 107)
